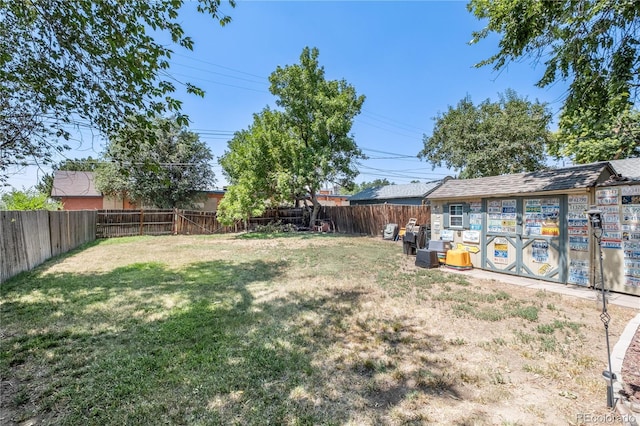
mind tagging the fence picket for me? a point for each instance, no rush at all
(28, 238)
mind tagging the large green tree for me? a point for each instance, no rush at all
(490, 139)
(594, 45)
(257, 166)
(168, 168)
(85, 63)
(310, 136)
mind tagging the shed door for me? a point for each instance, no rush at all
(524, 237)
(542, 238)
(502, 240)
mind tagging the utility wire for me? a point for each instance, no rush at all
(220, 83)
(219, 66)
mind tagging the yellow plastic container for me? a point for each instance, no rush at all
(458, 259)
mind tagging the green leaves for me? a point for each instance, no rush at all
(27, 200)
(490, 139)
(163, 165)
(289, 154)
(618, 138)
(593, 44)
(87, 63)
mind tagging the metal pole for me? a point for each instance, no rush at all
(605, 318)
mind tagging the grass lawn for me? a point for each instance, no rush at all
(291, 329)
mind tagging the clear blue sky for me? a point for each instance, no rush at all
(410, 59)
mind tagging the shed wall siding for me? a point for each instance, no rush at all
(574, 252)
(621, 246)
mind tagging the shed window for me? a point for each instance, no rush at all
(455, 215)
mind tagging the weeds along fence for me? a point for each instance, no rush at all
(28, 238)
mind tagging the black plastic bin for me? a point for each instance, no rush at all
(426, 258)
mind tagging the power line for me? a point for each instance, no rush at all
(359, 120)
(217, 73)
(381, 120)
(219, 66)
(389, 153)
(393, 122)
(219, 83)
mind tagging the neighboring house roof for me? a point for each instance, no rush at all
(74, 184)
(389, 192)
(345, 196)
(568, 178)
(628, 167)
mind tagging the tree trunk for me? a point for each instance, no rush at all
(316, 209)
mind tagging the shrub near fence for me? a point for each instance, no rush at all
(28, 238)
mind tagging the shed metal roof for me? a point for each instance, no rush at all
(389, 192)
(74, 184)
(576, 177)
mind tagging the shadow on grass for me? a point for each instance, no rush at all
(144, 344)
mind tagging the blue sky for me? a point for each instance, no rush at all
(411, 60)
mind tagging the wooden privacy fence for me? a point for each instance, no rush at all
(367, 220)
(371, 219)
(28, 238)
(121, 223)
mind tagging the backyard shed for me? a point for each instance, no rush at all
(411, 194)
(534, 224)
(619, 200)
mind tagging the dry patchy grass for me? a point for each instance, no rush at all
(301, 329)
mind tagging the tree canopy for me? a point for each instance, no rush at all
(257, 165)
(291, 152)
(593, 44)
(490, 139)
(85, 63)
(169, 166)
